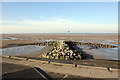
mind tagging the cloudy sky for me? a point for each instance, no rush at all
(59, 17)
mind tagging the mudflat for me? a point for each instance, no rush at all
(10, 40)
(73, 36)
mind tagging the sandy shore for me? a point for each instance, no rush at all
(75, 37)
(33, 38)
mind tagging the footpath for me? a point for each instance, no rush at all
(70, 69)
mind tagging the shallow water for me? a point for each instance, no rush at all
(98, 41)
(21, 50)
(110, 50)
(44, 40)
(107, 53)
(109, 44)
(9, 38)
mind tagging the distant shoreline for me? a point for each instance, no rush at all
(54, 33)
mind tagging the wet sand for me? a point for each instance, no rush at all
(33, 38)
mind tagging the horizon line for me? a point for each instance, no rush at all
(67, 33)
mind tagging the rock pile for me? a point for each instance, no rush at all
(96, 45)
(63, 53)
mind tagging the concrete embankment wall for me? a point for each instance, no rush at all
(55, 63)
(13, 57)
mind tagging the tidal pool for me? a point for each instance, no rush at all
(107, 53)
(21, 50)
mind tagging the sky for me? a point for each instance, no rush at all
(59, 17)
